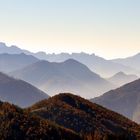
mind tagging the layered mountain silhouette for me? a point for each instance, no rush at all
(91, 121)
(12, 62)
(133, 61)
(97, 64)
(12, 49)
(16, 124)
(16, 50)
(19, 92)
(68, 76)
(121, 78)
(124, 100)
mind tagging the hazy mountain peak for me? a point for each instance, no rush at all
(72, 61)
(120, 74)
(121, 78)
(14, 47)
(41, 52)
(2, 44)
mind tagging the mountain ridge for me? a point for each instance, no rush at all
(79, 115)
(19, 92)
(97, 64)
(68, 76)
(124, 100)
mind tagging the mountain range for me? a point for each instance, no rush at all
(19, 92)
(29, 76)
(124, 100)
(67, 76)
(99, 65)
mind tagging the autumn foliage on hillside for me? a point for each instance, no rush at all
(16, 124)
(91, 121)
(64, 117)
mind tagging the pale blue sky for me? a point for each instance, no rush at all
(109, 28)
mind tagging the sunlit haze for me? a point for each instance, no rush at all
(108, 28)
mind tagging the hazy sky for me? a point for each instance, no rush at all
(108, 28)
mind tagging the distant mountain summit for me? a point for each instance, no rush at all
(124, 100)
(19, 92)
(11, 50)
(121, 78)
(67, 76)
(89, 120)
